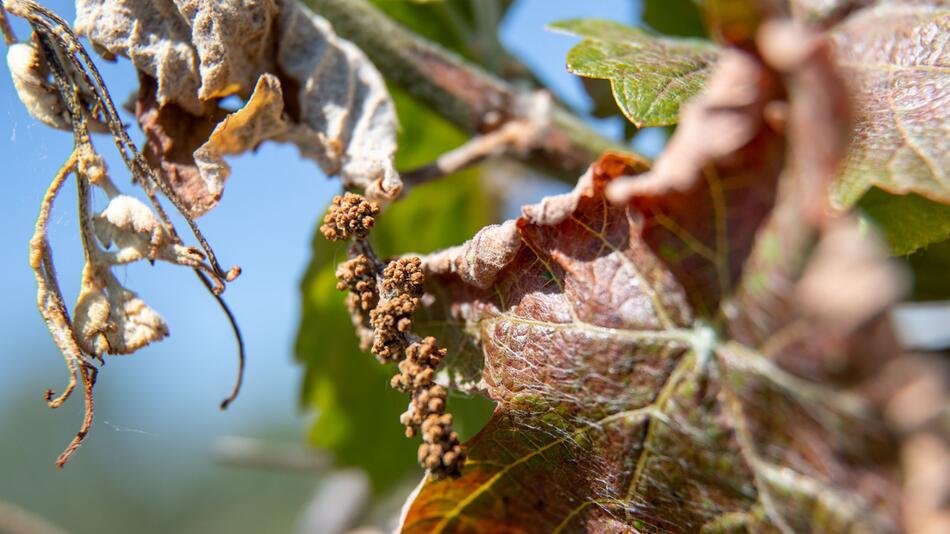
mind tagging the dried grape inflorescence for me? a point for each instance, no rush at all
(349, 216)
(382, 299)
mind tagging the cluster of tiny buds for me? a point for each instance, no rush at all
(440, 452)
(404, 276)
(349, 215)
(391, 303)
(391, 320)
(358, 277)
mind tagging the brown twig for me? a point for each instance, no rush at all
(88, 375)
(8, 36)
(513, 137)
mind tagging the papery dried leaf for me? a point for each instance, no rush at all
(196, 50)
(155, 36)
(897, 58)
(260, 119)
(347, 118)
(132, 227)
(337, 108)
(130, 231)
(171, 137)
(110, 319)
(233, 41)
(622, 405)
(38, 95)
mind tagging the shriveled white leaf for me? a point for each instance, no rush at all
(233, 41)
(35, 88)
(154, 35)
(132, 227)
(30, 80)
(342, 117)
(110, 319)
(348, 116)
(130, 231)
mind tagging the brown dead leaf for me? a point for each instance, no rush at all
(337, 109)
(646, 384)
(260, 119)
(171, 137)
(897, 60)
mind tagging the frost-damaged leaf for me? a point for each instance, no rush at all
(191, 150)
(334, 103)
(898, 60)
(650, 75)
(621, 407)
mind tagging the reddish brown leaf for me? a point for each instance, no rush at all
(898, 64)
(708, 192)
(625, 401)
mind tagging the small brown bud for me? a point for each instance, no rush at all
(349, 215)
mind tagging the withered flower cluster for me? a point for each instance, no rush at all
(382, 299)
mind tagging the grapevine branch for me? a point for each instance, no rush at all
(464, 93)
(516, 136)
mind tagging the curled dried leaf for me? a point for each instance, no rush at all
(37, 94)
(260, 119)
(110, 319)
(336, 108)
(135, 233)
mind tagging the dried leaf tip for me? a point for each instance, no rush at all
(350, 215)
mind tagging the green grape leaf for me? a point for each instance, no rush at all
(930, 267)
(896, 57)
(650, 75)
(674, 17)
(357, 413)
(909, 222)
(684, 350)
